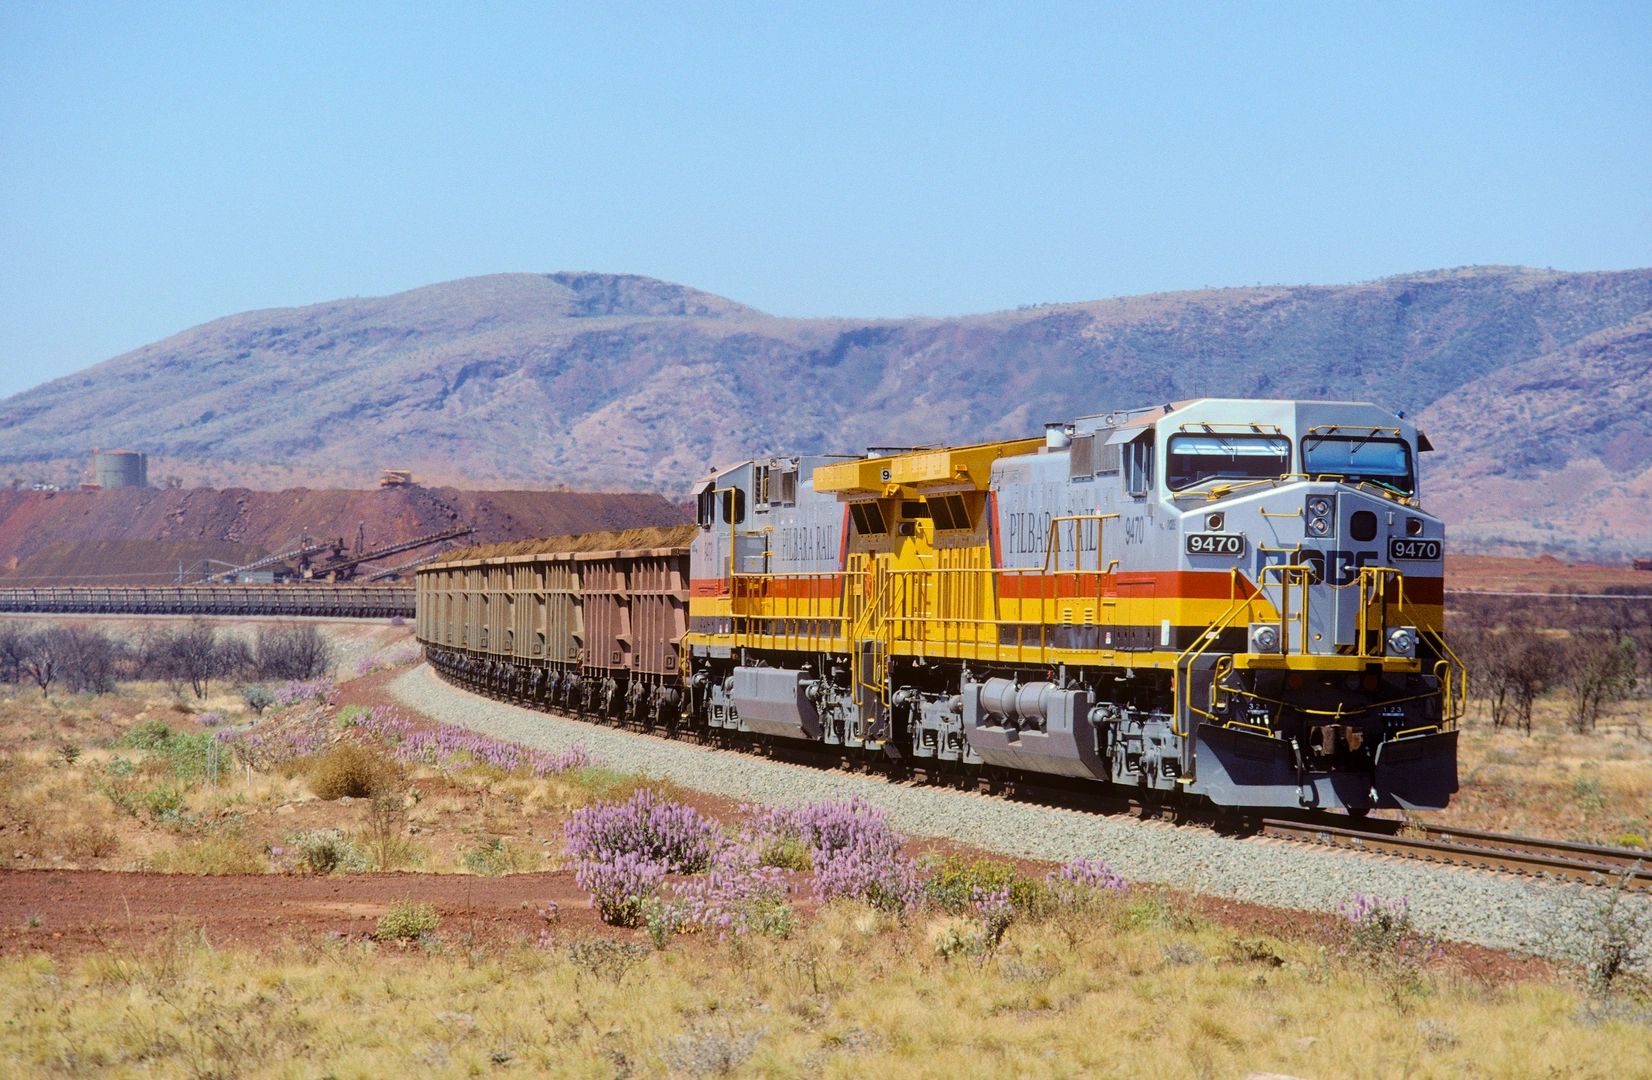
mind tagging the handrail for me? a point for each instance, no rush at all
(1184, 662)
(1052, 546)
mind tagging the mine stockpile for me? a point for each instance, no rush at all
(150, 536)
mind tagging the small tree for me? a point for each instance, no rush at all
(1600, 668)
(41, 659)
(88, 658)
(1530, 665)
(257, 697)
(291, 651)
(199, 654)
(14, 641)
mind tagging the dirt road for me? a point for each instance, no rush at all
(71, 911)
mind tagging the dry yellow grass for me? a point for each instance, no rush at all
(850, 995)
(112, 806)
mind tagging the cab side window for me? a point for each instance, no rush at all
(1138, 466)
(734, 507)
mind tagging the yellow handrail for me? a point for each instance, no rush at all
(1197, 648)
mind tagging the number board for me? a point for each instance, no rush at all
(1402, 548)
(1215, 544)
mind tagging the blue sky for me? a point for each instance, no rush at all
(165, 164)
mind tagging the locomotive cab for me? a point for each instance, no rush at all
(1338, 690)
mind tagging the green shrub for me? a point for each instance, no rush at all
(406, 920)
(788, 853)
(147, 735)
(1587, 791)
(955, 880)
(324, 851)
(348, 769)
(185, 753)
(258, 697)
(772, 916)
(494, 858)
(158, 802)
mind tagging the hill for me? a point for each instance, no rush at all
(628, 383)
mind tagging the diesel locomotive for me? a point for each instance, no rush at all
(1237, 601)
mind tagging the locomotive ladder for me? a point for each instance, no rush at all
(869, 634)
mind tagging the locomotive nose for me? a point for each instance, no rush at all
(1357, 560)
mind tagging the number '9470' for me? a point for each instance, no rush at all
(1215, 544)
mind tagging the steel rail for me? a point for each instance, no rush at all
(1533, 856)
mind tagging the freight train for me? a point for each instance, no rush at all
(1235, 601)
(324, 601)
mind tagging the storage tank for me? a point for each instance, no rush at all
(120, 468)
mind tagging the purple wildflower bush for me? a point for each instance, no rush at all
(676, 836)
(1374, 927)
(995, 911)
(268, 747)
(621, 884)
(1379, 935)
(304, 691)
(448, 746)
(856, 853)
(394, 657)
(625, 852)
(827, 828)
(737, 896)
(870, 872)
(1082, 879)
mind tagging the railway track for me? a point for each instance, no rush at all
(1529, 856)
(1533, 856)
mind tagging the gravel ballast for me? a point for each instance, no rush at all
(1479, 907)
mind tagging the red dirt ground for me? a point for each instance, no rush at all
(84, 910)
(1546, 574)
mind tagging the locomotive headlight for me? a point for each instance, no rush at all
(1402, 642)
(1264, 638)
(1214, 522)
(1320, 509)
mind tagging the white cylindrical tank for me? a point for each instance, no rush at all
(120, 468)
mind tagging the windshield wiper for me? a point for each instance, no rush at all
(1353, 449)
(1396, 489)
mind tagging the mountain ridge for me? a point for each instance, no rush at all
(628, 382)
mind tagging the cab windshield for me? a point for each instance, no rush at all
(1384, 462)
(1197, 458)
